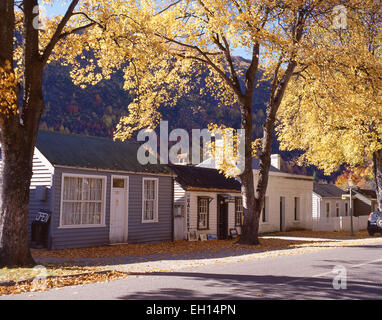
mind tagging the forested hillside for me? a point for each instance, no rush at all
(97, 109)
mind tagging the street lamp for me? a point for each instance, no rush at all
(351, 186)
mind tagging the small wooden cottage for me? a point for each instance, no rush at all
(98, 193)
(328, 202)
(205, 203)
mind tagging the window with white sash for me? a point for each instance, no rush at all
(203, 213)
(83, 201)
(150, 200)
(238, 211)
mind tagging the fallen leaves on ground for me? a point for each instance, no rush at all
(174, 248)
(51, 270)
(58, 282)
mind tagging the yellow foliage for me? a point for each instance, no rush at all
(8, 95)
(165, 46)
(333, 108)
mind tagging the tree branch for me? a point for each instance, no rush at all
(205, 56)
(56, 36)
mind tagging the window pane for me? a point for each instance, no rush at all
(202, 221)
(149, 210)
(85, 213)
(149, 198)
(71, 214)
(203, 213)
(82, 201)
(118, 183)
(149, 189)
(92, 189)
(91, 213)
(238, 211)
(97, 213)
(72, 188)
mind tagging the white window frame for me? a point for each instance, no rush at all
(156, 212)
(241, 212)
(103, 213)
(207, 213)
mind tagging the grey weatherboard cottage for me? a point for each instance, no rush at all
(98, 193)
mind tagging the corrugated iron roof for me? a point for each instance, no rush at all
(328, 190)
(81, 151)
(191, 177)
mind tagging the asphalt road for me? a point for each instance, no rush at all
(301, 276)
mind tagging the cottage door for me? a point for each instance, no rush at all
(118, 210)
(222, 218)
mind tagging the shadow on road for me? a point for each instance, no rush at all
(232, 286)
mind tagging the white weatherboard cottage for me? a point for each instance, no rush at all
(98, 193)
(330, 212)
(288, 202)
(327, 201)
(205, 203)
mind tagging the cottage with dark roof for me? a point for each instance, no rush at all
(327, 201)
(206, 203)
(98, 193)
(331, 208)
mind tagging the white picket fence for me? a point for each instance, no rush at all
(339, 223)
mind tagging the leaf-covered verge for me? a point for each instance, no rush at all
(68, 273)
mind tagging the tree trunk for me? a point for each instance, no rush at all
(17, 173)
(377, 172)
(251, 211)
(256, 198)
(18, 138)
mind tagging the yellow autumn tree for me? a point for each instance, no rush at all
(179, 40)
(26, 46)
(333, 108)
